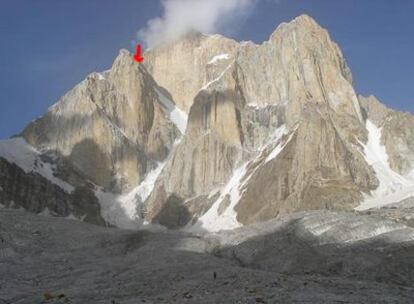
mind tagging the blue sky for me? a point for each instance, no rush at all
(48, 46)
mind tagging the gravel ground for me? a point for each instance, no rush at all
(52, 260)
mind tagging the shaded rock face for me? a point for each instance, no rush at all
(174, 214)
(111, 127)
(37, 194)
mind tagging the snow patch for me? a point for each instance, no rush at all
(256, 105)
(100, 76)
(176, 115)
(277, 136)
(217, 79)
(392, 186)
(213, 221)
(145, 188)
(265, 104)
(121, 210)
(179, 118)
(218, 58)
(18, 151)
(411, 175)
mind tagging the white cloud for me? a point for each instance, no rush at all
(181, 16)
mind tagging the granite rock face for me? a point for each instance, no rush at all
(186, 65)
(299, 80)
(272, 128)
(107, 133)
(209, 151)
(111, 127)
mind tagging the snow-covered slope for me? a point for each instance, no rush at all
(217, 58)
(212, 220)
(122, 210)
(176, 115)
(18, 151)
(392, 186)
(215, 219)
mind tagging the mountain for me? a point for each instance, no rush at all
(212, 134)
(299, 82)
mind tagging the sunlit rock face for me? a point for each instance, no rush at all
(297, 79)
(184, 66)
(111, 127)
(213, 133)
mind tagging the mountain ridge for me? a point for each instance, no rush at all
(224, 133)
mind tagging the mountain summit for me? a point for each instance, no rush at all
(210, 133)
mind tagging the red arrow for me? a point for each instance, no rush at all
(137, 55)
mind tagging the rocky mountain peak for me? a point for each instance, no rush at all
(303, 20)
(293, 91)
(215, 133)
(112, 127)
(184, 66)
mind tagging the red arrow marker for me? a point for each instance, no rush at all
(137, 55)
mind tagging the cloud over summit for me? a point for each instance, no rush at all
(182, 16)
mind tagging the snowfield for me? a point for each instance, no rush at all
(392, 186)
(211, 220)
(121, 210)
(176, 115)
